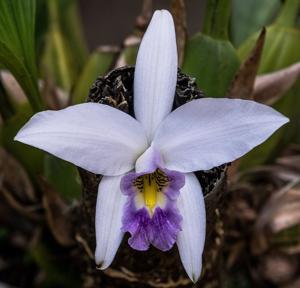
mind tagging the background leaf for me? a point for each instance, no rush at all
(209, 56)
(63, 176)
(243, 83)
(243, 23)
(98, 63)
(281, 50)
(212, 62)
(30, 157)
(64, 52)
(17, 45)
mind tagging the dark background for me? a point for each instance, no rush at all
(109, 22)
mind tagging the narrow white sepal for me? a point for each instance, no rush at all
(206, 133)
(155, 74)
(108, 221)
(191, 239)
(96, 137)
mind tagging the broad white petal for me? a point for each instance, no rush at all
(108, 222)
(208, 132)
(156, 72)
(96, 137)
(191, 239)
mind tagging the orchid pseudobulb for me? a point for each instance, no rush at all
(148, 187)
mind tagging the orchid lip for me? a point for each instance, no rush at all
(150, 214)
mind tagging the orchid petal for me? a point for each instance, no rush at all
(108, 222)
(191, 239)
(155, 74)
(96, 137)
(149, 161)
(206, 133)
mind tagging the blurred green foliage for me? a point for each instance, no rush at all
(17, 46)
(30, 157)
(281, 50)
(98, 63)
(209, 56)
(243, 23)
(63, 176)
(64, 51)
(213, 62)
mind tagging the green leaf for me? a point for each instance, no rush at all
(213, 62)
(31, 158)
(217, 18)
(72, 31)
(243, 23)
(97, 64)
(56, 61)
(281, 50)
(42, 28)
(130, 53)
(64, 52)
(17, 45)
(288, 14)
(63, 176)
(209, 56)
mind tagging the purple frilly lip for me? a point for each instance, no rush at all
(159, 229)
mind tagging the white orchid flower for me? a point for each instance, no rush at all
(149, 188)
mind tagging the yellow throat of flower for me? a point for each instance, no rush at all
(150, 190)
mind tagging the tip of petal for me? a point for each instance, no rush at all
(100, 262)
(194, 275)
(159, 15)
(285, 119)
(194, 278)
(161, 12)
(101, 266)
(18, 136)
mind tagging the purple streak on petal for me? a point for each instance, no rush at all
(177, 181)
(165, 225)
(126, 184)
(136, 222)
